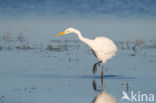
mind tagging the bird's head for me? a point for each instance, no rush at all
(67, 31)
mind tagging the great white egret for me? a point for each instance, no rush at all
(103, 48)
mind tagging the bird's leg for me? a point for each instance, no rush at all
(102, 69)
(102, 76)
(95, 67)
(101, 81)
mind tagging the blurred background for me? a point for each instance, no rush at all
(42, 19)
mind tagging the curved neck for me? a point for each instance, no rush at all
(80, 36)
(83, 39)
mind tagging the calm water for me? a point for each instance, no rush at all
(64, 73)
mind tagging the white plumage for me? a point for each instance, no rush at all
(103, 47)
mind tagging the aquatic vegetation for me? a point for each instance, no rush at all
(127, 43)
(49, 47)
(25, 89)
(7, 37)
(21, 38)
(20, 42)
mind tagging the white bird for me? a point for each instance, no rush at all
(102, 47)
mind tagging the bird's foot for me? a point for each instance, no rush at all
(94, 68)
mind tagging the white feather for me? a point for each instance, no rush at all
(103, 47)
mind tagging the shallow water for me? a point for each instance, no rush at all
(48, 75)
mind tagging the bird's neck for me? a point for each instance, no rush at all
(80, 36)
(83, 39)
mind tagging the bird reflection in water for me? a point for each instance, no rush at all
(103, 97)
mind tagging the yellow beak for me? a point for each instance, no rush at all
(60, 33)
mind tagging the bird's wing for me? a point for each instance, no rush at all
(104, 45)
